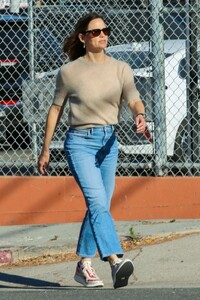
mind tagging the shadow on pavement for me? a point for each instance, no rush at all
(26, 281)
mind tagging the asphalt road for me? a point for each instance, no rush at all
(109, 294)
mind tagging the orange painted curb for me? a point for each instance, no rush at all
(45, 200)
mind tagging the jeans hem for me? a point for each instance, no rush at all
(86, 255)
(105, 257)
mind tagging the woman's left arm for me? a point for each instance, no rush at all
(138, 111)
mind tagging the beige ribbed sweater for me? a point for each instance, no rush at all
(95, 91)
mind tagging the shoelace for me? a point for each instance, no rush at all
(89, 269)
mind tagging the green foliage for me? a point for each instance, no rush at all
(134, 236)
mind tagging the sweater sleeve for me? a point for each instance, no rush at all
(129, 90)
(60, 93)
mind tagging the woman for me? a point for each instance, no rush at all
(94, 84)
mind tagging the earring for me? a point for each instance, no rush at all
(83, 45)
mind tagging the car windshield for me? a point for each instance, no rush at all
(136, 60)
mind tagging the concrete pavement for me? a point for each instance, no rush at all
(174, 263)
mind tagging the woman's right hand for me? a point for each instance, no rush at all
(43, 161)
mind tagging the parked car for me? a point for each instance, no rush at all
(15, 68)
(139, 56)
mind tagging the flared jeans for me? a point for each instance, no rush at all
(92, 158)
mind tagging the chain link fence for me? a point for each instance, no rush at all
(159, 39)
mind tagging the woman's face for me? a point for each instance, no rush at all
(95, 43)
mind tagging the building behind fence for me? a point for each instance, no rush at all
(159, 39)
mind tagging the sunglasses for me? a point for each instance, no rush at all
(97, 32)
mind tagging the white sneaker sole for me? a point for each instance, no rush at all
(81, 280)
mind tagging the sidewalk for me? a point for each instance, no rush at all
(170, 264)
(30, 241)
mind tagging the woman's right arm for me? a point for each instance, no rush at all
(53, 117)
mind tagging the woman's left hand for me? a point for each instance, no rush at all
(140, 124)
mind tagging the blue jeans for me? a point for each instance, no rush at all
(92, 157)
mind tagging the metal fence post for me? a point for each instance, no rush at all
(34, 147)
(192, 84)
(33, 128)
(158, 72)
(31, 38)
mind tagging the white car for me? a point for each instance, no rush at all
(139, 57)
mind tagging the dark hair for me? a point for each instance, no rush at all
(72, 46)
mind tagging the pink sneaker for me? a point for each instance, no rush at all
(86, 275)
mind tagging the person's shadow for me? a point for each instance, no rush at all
(29, 282)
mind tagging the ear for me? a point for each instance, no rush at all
(81, 38)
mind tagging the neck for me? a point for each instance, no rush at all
(96, 57)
